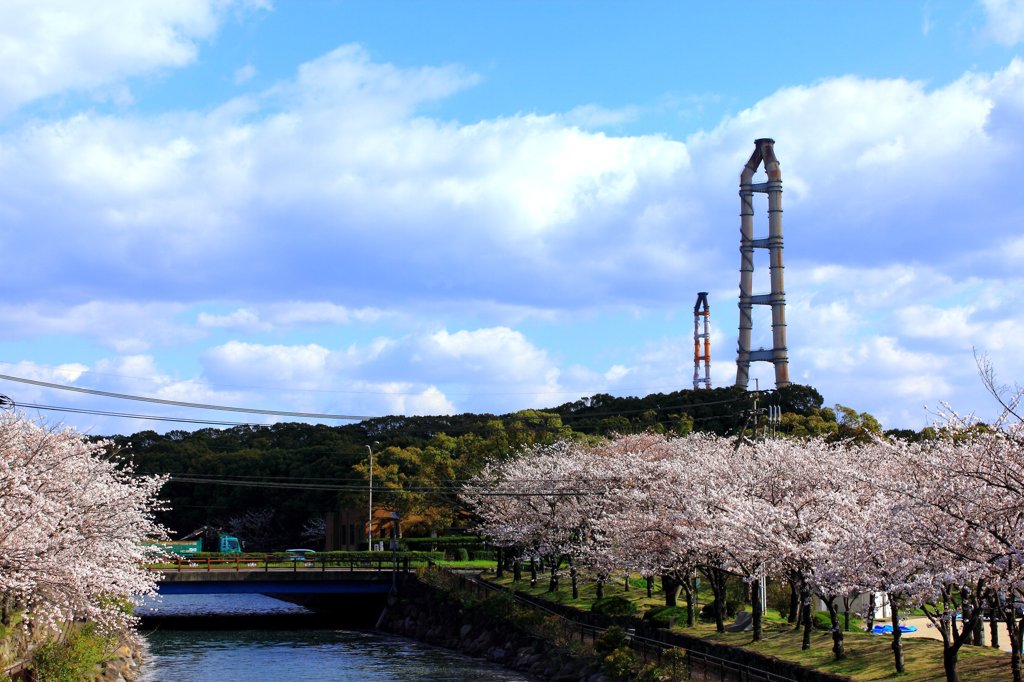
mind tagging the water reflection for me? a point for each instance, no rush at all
(320, 655)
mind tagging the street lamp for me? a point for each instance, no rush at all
(369, 525)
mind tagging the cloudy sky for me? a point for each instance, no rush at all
(372, 208)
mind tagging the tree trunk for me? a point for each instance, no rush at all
(668, 584)
(897, 637)
(650, 586)
(755, 610)
(979, 630)
(533, 572)
(992, 605)
(499, 573)
(716, 577)
(1013, 631)
(805, 605)
(553, 582)
(949, 664)
(575, 580)
(517, 571)
(872, 605)
(794, 602)
(838, 646)
(691, 602)
(600, 588)
(846, 613)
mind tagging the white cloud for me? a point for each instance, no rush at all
(243, 319)
(594, 116)
(50, 46)
(932, 322)
(126, 327)
(1005, 20)
(235, 362)
(244, 74)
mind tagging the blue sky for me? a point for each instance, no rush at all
(437, 207)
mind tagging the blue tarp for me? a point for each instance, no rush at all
(887, 629)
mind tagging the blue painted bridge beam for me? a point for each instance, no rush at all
(273, 587)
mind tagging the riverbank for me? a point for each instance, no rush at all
(75, 654)
(486, 629)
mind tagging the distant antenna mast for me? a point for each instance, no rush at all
(701, 309)
(764, 151)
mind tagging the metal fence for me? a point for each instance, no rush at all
(274, 562)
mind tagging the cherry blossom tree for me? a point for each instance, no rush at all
(73, 519)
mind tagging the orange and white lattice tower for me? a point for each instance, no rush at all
(702, 333)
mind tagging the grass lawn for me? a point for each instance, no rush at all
(868, 657)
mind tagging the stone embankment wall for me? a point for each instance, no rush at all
(428, 615)
(124, 664)
(431, 615)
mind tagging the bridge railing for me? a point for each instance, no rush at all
(283, 562)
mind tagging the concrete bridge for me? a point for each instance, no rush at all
(348, 595)
(281, 581)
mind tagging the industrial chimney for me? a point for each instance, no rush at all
(764, 151)
(701, 309)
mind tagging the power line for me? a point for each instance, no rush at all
(181, 403)
(380, 490)
(292, 389)
(126, 415)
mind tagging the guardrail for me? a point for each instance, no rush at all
(275, 562)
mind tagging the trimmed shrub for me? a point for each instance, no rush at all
(461, 554)
(610, 640)
(614, 606)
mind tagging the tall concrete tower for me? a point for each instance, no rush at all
(701, 311)
(764, 152)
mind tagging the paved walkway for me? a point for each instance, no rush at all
(926, 629)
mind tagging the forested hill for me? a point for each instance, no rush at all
(243, 470)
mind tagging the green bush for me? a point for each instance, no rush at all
(499, 607)
(483, 555)
(610, 640)
(72, 660)
(385, 556)
(621, 664)
(821, 621)
(660, 615)
(614, 606)
(461, 554)
(673, 663)
(707, 612)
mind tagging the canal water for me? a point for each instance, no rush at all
(321, 655)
